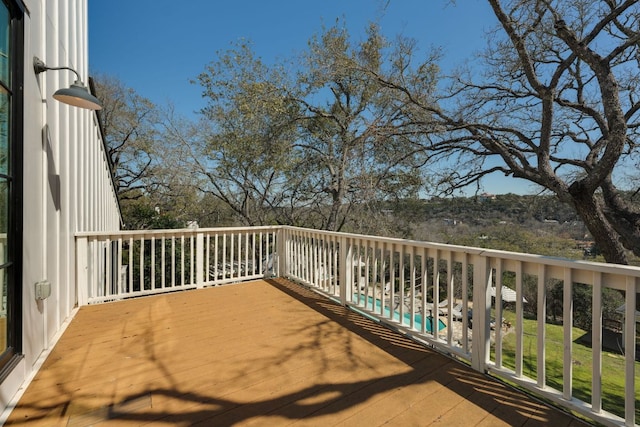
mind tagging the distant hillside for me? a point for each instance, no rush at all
(511, 208)
(486, 210)
(530, 224)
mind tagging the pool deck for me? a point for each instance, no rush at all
(257, 353)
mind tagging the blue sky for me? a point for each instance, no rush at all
(157, 46)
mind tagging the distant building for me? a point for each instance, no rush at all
(486, 197)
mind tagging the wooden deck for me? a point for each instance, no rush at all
(258, 353)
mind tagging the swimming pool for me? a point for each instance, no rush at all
(417, 318)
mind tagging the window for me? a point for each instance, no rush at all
(11, 72)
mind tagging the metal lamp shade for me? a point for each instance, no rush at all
(78, 95)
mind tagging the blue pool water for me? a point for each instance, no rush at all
(417, 318)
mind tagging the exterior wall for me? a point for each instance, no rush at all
(67, 184)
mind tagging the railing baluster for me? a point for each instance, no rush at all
(192, 260)
(182, 278)
(131, 249)
(313, 261)
(153, 262)
(465, 303)
(216, 250)
(200, 261)
(450, 297)
(224, 256)
(412, 286)
(108, 283)
(345, 266)
(321, 264)
(119, 281)
(631, 290)
(519, 320)
(255, 248)
(392, 274)
(278, 246)
(294, 256)
(239, 257)
(306, 262)
(308, 257)
(300, 256)
(246, 254)
(163, 263)
(424, 279)
(435, 297)
(99, 268)
(358, 278)
(141, 264)
(173, 261)
(369, 299)
(498, 312)
(401, 303)
(207, 277)
(567, 324)
(383, 278)
(596, 344)
(541, 335)
(261, 254)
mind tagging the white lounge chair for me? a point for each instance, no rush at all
(456, 311)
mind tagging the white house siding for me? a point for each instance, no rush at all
(67, 184)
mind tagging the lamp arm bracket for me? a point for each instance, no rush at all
(40, 67)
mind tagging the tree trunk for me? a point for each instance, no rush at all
(332, 220)
(591, 210)
(623, 216)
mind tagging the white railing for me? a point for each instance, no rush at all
(127, 264)
(393, 280)
(439, 294)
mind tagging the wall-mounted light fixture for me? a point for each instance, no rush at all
(77, 94)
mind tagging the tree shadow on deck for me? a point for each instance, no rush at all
(456, 395)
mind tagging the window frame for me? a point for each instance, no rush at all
(12, 354)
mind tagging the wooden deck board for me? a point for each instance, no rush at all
(257, 353)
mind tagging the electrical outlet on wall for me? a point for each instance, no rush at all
(43, 289)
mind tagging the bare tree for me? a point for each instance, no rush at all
(240, 150)
(555, 102)
(306, 142)
(129, 123)
(353, 145)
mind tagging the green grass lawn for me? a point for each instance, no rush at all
(612, 364)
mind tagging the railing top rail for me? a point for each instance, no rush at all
(615, 269)
(174, 231)
(600, 267)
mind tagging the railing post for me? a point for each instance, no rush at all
(281, 265)
(480, 348)
(346, 269)
(200, 260)
(82, 270)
